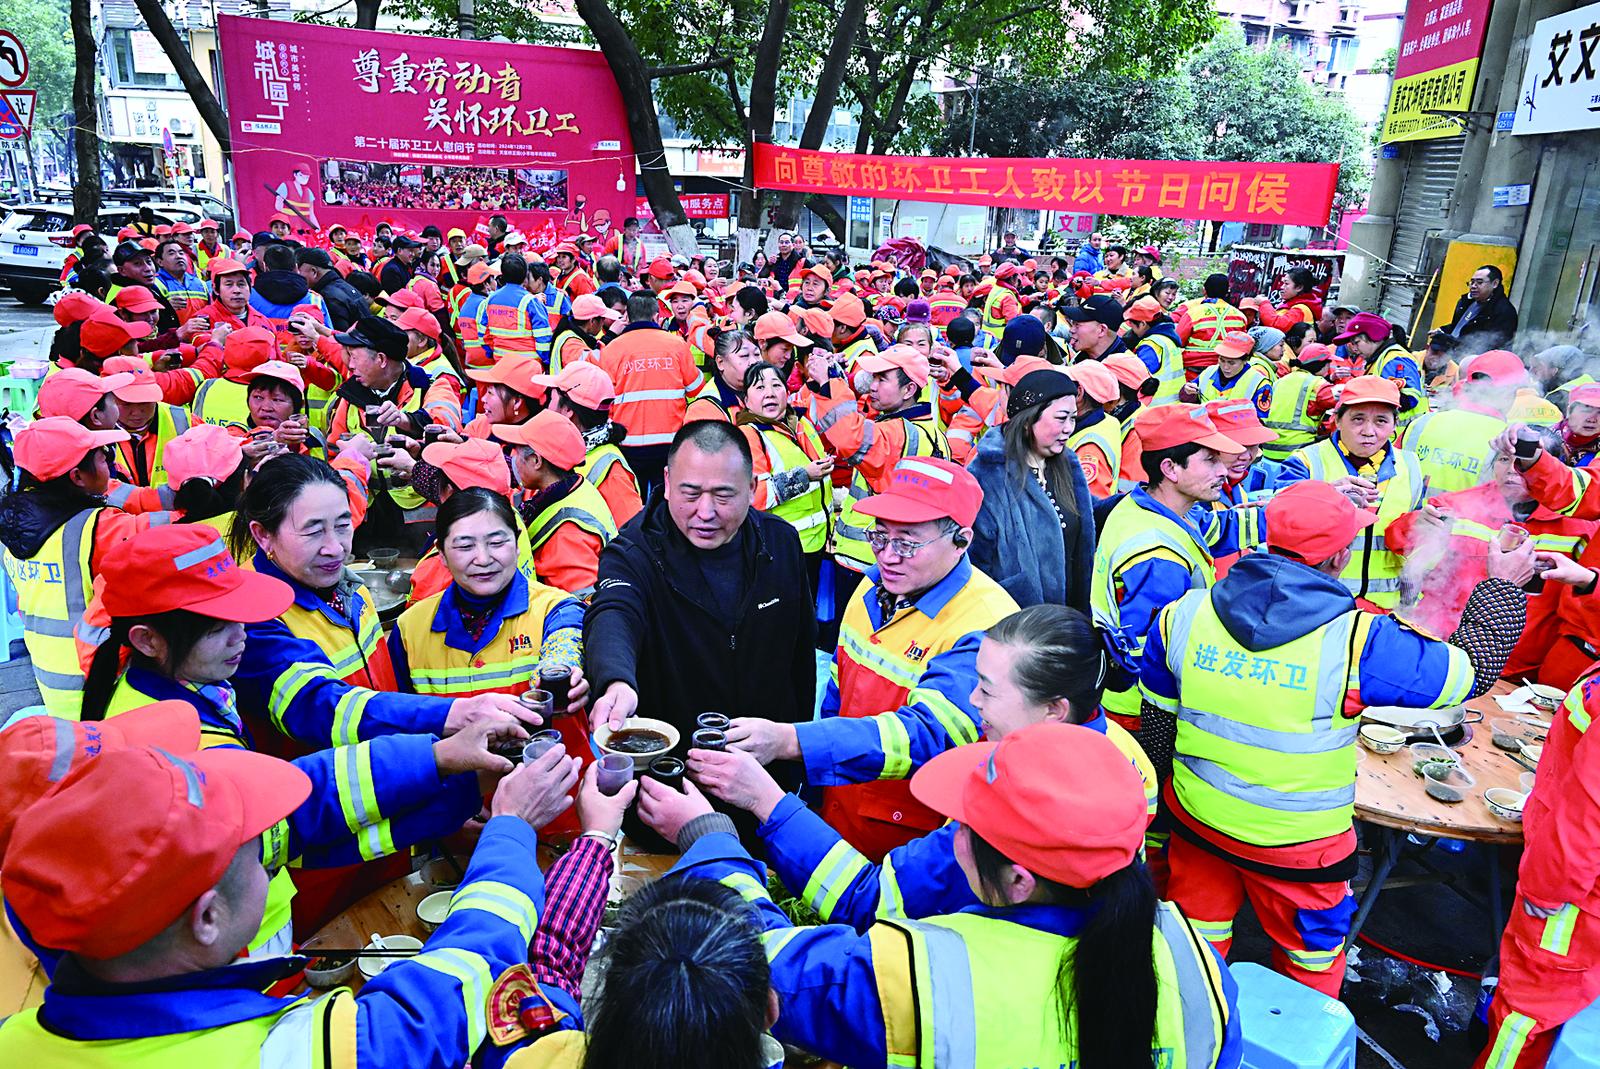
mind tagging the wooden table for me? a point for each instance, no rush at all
(392, 909)
(1394, 804)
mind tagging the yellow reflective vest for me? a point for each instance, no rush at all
(53, 588)
(1452, 447)
(923, 438)
(505, 662)
(807, 513)
(1290, 414)
(1169, 374)
(222, 402)
(1374, 570)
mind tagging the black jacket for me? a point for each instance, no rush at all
(345, 302)
(654, 625)
(29, 517)
(1492, 328)
(396, 276)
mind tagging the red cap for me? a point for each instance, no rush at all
(249, 347)
(1145, 310)
(564, 247)
(474, 462)
(82, 228)
(588, 306)
(279, 217)
(520, 374)
(403, 298)
(1151, 251)
(818, 321)
(1236, 344)
(1167, 426)
(1006, 270)
(848, 310)
(130, 840)
(926, 488)
(54, 445)
(281, 370)
(817, 272)
(1587, 394)
(104, 332)
(695, 279)
(1030, 265)
(74, 392)
(181, 227)
(952, 271)
(1129, 369)
(1097, 380)
(428, 290)
(186, 566)
(1312, 352)
(553, 437)
(1369, 389)
(904, 357)
(75, 306)
(478, 272)
(1240, 421)
(1500, 366)
(204, 451)
(39, 751)
(661, 269)
(583, 384)
(418, 319)
(1373, 326)
(143, 386)
(775, 326)
(208, 224)
(1312, 521)
(222, 265)
(1058, 799)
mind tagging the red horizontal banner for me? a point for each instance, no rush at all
(1296, 194)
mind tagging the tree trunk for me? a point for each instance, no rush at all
(367, 14)
(824, 210)
(639, 101)
(205, 101)
(85, 118)
(763, 109)
(827, 94)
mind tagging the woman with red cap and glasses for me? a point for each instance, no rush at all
(1067, 958)
(174, 608)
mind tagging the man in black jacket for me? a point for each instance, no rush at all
(344, 301)
(703, 604)
(401, 268)
(1485, 317)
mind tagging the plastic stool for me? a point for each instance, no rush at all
(19, 395)
(1577, 1046)
(1286, 1025)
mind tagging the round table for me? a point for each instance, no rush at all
(1392, 802)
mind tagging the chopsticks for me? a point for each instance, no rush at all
(340, 952)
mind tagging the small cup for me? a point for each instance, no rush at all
(1526, 782)
(433, 432)
(382, 558)
(616, 771)
(1511, 536)
(538, 744)
(713, 720)
(556, 678)
(540, 702)
(432, 911)
(709, 739)
(667, 771)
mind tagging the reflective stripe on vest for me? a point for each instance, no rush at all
(1264, 751)
(807, 513)
(222, 402)
(1169, 370)
(982, 992)
(862, 346)
(1244, 387)
(850, 531)
(1374, 571)
(53, 588)
(506, 663)
(992, 324)
(1105, 433)
(1289, 416)
(1209, 321)
(1452, 448)
(347, 659)
(583, 506)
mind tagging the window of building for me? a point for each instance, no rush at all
(136, 61)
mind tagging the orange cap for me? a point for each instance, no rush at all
(478, 273)
(1370, 390)
(222, 265)
(249, 347)
(775, 326)
(848, 310)
(683, 288)
(519, 373)
(74, 392)
(402, 298)
(1236, 344)
(1312, 521)
(1239, 420)
(817, 272)
(904, 357)
(553, 437)
(143, 388)
(1019, 367)
(817, 321)
(74, 307)
(103, 332)
(1168, 426)
(1501, 366)
(50, 447)
(204, 451)
(474, 462)
(418, 319)
(1129, 369)
(583, 384)
(281, 370)
(136, 299)
(1144, 310)
(1097, 380)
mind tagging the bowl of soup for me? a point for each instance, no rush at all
(639, 738)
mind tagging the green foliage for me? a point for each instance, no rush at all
(44, 30)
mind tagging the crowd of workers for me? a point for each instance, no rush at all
(1103, 578)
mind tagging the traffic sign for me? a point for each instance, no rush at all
(14, 120)
(166, 140)
(13, 61)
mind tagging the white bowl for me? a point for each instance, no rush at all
(1505, 803)
(432, 911)
(1381, 738)
(1533, 751)
(371, 967)
(641, 761)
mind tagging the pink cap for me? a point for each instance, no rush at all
(204, 451)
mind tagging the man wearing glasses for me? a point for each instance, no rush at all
(1485, 317)
(906, 665)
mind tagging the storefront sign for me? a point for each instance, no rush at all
(1291, 193)
(429, 130)
(1560, 88)
(1436, 68)
(1512, 196)
(695, 206)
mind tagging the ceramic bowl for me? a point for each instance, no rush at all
(1533, 751)
(1451, 784)
(432, 911)
(371, 967)
(1526, 780)
(440, 874)
(1380, 738)
(641, 761)
(1545, 698)
(1505, 803)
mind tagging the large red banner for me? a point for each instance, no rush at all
(332, 125)
(1298, 194)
